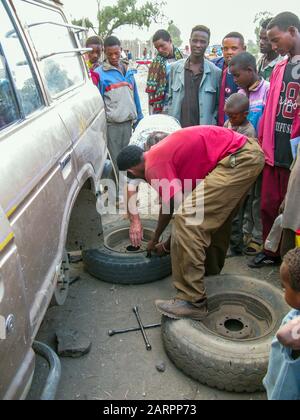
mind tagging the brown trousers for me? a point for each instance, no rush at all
(200, 248)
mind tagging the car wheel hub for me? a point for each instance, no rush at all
(239, 316)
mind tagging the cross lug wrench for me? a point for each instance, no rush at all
(111, 333)
(136, 313)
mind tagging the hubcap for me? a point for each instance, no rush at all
(239, 316)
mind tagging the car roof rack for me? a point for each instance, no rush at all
(77, 29)
(75, 50)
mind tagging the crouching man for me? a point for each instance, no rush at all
(220, 166)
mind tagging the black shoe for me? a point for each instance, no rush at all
(263, 260)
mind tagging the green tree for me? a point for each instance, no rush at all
(175, 34)
(85, 22)
(125, 12)
(259, 19)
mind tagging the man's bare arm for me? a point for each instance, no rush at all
(136, 227)
(163, 222)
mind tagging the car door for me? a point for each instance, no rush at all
(16, 356)
(36, 173)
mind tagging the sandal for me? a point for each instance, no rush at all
(253, 249)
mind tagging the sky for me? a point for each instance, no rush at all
(219, 15)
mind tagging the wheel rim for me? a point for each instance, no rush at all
(239, 317)
(63, 282)
(118, 241)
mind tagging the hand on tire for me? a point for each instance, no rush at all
(136, 234)
(161, 250)
(152, 247)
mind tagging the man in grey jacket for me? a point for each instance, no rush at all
(195, 84)
(119, 90)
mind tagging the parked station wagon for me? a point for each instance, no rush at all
(52, 154)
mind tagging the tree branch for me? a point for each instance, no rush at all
(126, 12)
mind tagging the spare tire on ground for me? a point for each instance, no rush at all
(115, 261)
(230, 349)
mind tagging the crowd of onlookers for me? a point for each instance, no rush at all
(259, 100)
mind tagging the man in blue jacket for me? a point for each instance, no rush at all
(118, 88)
(194, 85)
(233, 44)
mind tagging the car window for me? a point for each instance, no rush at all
(20, 70)
(61, 71)
(9, 112)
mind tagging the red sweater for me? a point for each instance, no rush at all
(267, 125)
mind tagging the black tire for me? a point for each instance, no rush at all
(222, 363)
(113, 267)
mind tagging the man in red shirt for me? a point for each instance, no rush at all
(203, 173)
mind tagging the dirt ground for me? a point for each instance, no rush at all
(120, 368)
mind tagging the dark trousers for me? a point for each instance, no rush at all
(288, 241)
(237, 232)
(274, 189)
